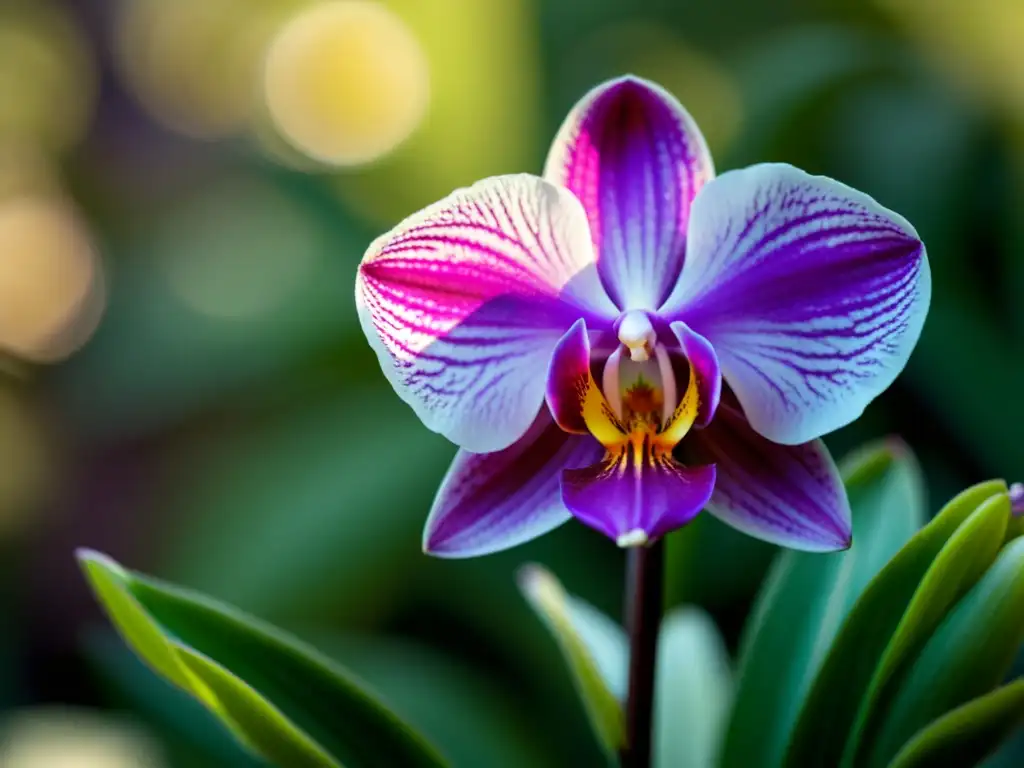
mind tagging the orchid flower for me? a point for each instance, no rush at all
(571, 334)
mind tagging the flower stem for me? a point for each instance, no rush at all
(645, 581)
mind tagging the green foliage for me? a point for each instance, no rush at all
(893, 653)
(278, 697)
(805, 600)
(595, 653)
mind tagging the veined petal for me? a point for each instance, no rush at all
(633, 497)
(704, 367)
(785, 494)
(812, 294)
(493, 501)
(636, 159)
(575, 401)
(464, 302)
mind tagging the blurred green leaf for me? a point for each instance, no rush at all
(969, 733)
(806, 599)
(313, 497)
(694, 690)
(830, 709)
(280, 698)
(967, 657)
(473, 718)
(189, 727)
(597, 669)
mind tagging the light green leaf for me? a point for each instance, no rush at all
(958, 565)
(694, 691)
(587, 639)
(968, 734)
(280, 698)
(830, 709)
(966, 658)
(806, 599)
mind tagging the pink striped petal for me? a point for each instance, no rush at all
(812, 294)
(464, 302)
(636, 159)
(790, 495)
(493, 501)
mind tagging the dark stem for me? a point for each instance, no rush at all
(645, 583)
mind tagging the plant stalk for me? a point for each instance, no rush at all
(645, 585)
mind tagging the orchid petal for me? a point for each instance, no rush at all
(704, 366)
(493, 501)
(812, 294)
(636, 159)
(790, 495)
(464, 302)
(633, 499)
(575, 400)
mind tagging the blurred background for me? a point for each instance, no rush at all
(186, 188)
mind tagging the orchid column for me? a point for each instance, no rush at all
(629, 340)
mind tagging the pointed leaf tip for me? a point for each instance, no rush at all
(280, 698)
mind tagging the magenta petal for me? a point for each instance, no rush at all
(812, 294)
(704, 362)
(622, 500)
(790, 495)
(493, 501)
(464, 302)
(636, 159)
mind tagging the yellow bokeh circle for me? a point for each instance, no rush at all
(51, 284)
(346, 82)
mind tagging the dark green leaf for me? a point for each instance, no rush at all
(962, 560)
(968, 734)
(282, 699)
(966, 658)
(806, 598)
(831, 706)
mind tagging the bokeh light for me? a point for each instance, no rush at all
(193, 64)
(47, 76)
(977, 44)
(67, 738)
(26, 467)
(51, 281)
(238, 251)
(346, 81)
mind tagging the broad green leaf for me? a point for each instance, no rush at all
(958, 565)
(806, 599)
(279, 697)
(966, 658)
(587, 639)
(829, 711)
(694, 690)
(194, 735)
(969, 733)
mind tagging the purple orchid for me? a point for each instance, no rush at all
(571, 333)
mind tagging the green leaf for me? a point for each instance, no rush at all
(594, 648)
(830, 709)
(962, 560)
(806, 598)
(967, 657)
(280, 698)
(694, 690)
(968, 734)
